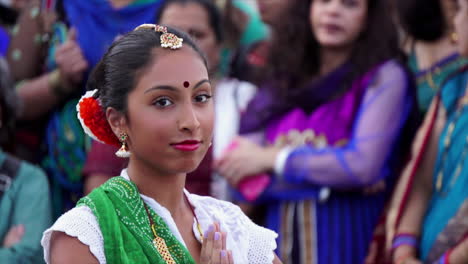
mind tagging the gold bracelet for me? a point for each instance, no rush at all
(55, 84)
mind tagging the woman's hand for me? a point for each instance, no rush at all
(214, 247)
(405, 255)
(71, 62)
(246, 159)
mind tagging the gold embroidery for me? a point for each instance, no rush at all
(295, 138)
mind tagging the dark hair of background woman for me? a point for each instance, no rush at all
(295, 60)
(116, 73)
(422, 19)
(214, 15)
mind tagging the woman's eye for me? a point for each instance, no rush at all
(163, 102)
(196, 34)
(202, 98)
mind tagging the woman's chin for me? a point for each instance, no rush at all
(188, 166)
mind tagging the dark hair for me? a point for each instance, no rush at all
(422, 19)
(116, 73)
(8, 104)
(294, 56)
(213, 12)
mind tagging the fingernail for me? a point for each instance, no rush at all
(210, 229)
(217, 236)
(223, 253)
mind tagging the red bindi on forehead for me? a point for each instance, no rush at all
(186, 84)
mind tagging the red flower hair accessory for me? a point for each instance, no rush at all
(93, 119)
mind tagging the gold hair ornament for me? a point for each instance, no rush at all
(168, 40)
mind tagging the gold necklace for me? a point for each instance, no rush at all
(152, 225)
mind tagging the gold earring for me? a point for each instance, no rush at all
(454, 37)
(123, 152)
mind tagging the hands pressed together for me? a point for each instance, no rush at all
(214, 247)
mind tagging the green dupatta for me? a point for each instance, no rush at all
(126, 228)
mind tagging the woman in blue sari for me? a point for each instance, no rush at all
(429, 210)
(430, 44)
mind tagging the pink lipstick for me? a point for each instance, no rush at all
(187, 145)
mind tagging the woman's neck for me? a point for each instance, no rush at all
(332, 58)
(166, 189)
(429, 53)
(120, 3)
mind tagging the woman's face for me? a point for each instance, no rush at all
(461, 26)
(170, 114)
(337, 23)
(193, 19)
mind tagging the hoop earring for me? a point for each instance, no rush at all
(123, 152)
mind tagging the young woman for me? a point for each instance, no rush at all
(331, 116)
(427, 218)
(202, 21)
(154, 96)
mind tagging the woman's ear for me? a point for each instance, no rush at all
(117, 121)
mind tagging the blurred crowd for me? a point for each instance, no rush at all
(340, 124)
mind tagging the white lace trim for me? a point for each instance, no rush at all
(81, 223)
(248, 242)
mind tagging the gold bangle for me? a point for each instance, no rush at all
(55, 84)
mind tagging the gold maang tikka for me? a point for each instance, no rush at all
(168, 40)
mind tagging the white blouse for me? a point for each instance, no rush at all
(248, 242)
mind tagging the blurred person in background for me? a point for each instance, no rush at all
(427, 219)
(9, 12)
(53, 46)
(242, 27)
(331, 118)
(25, 207)
(430, 42)
(249, 62)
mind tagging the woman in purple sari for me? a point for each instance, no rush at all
(331, 120)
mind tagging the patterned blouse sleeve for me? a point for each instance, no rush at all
(380, 118)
